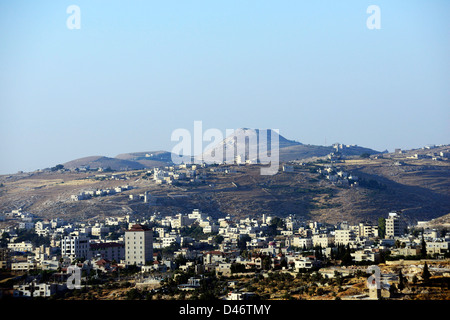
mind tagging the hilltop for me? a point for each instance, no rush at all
(249, 142)
(124, 161)
(288, 150)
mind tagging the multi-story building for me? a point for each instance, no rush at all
(197, 215)
(323, 240)
(438, 246)
(300, 242)
(75, 247)
(180, 220)
(303, 263)
(35, 290)
(170, 239)
(24, 246)
(344, 237)
(395, 225)
(108, 250)
(367, 231)
(139, 245)
(365, 255)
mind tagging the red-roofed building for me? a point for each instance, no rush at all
(102, 264)
(108, 250)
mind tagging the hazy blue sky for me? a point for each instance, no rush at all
(137, 70)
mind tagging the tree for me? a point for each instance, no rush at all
(274, 224)
(426, 274)
(365, 155)
(423, 248)
(381, 227)
(242, 242)
(318, 252)
(57, 167)
(266, 262)
(4, 240)
(237, 267)
(218, 239)
(283, 263)
(347, 258)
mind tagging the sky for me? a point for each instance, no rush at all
(135, 71)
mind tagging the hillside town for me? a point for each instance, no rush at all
(191, 255)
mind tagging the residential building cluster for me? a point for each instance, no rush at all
(179, 174)
(337, 176)
(88, 194)
(226, 245)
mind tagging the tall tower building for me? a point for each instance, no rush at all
(139, 245)
(395, 225)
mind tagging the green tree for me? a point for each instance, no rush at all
(266, 262)
(218, 239)
(382, 227)
(57, 167)
(237, 267)
(4, 239)
(318, 252)
(426, 273)
(242, 242)
(423, 248)
(347, 257)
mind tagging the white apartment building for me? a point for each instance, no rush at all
(170, 239)
(41, 225)
(180, 221)
(303, 263)
(300, 242)
(23, 246)
(365, 255)
(323, 240)
(23, 266)
(26, 225)
(35, 290)
(395, 225)
(343, 237)
(439, 247)
(75, 247)
(139, 245)
(367, 231)
(99, 229)
(211, 227)
(196, 215)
